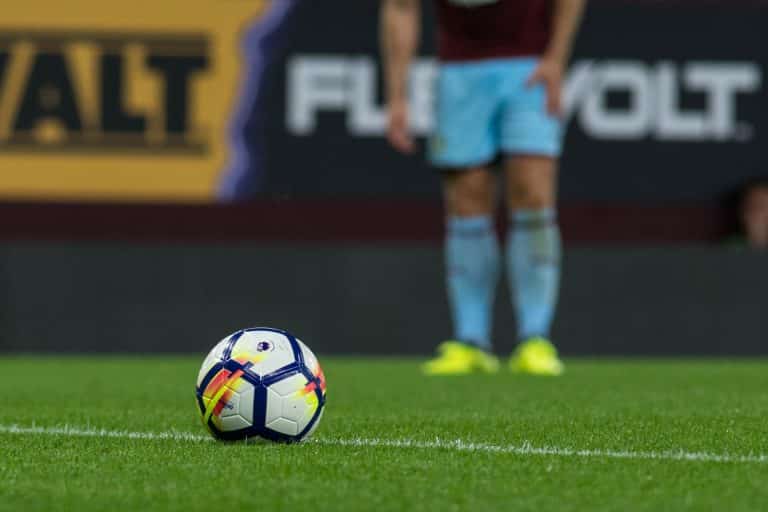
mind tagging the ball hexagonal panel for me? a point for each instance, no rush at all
(309, 358)
(245, 407)
(293, 400)
(232, 405)
(274, 407)
(267, 351)
(300, 407)
(313, 365)
(289, 385)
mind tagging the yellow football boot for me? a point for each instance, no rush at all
(536, 356)
(456, 358)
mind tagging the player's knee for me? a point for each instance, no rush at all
(530, 198)
(467, 203)
(531, 191)
(469, 195)
(531, 182)
(469, 207)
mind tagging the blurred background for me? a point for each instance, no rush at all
(173, 171)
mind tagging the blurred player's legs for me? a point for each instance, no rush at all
(472, 259)
(533, 139)
(485, 108)
(462, 145)
(533, 260)
(472, 255)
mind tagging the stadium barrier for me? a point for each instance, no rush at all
(374, 298)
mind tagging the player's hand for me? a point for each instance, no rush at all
(397, 128)
(549, 73)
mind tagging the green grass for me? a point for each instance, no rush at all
(648, 406)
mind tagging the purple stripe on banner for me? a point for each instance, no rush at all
(260, 46)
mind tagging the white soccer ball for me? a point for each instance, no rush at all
(261, 383)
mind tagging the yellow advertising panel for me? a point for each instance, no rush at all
(118, 100)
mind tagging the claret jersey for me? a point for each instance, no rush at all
(486, 29)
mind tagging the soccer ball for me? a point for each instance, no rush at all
(261, 383)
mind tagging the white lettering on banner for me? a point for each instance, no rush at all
(314, 83)
(723, 81)
(654, 106)
(589, 98)
(341, 84)
(365, 117)
(349, 85)
(672, 123)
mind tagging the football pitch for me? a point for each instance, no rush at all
(123, 433)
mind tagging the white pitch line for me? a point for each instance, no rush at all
(528, 449)
(525, 449)
(71, 431)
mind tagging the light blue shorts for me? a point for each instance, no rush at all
(484, 108)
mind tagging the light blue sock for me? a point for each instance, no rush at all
(472, 272)
(533, 268)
